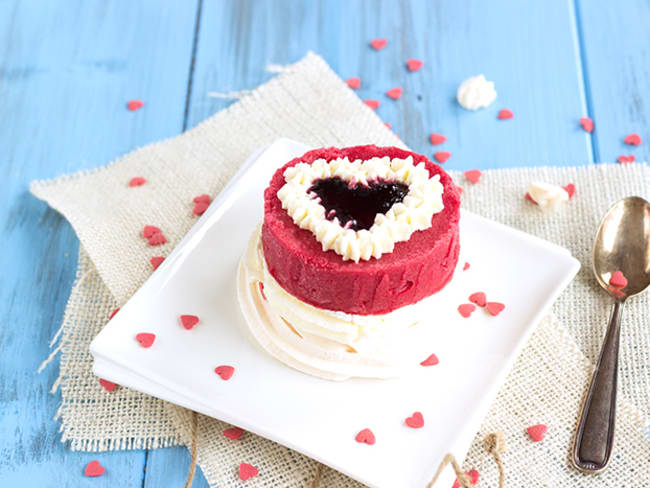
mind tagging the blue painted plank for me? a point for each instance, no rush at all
(528, 48)
(67, 69)
(615, 48)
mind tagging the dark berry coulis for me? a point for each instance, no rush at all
(356, 206)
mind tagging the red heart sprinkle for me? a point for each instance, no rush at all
(437, 139)
(157, 239)
(442, 156)
(233, 433)
(415, 421)
(93, 469)
(388, 125)
(373, 104)
(262, 290)
(618, 280)
(189, 321)
(537, 432)
(150, 230)
(354, 83)
(466, 266)
(473, 175)
(145, 339)
(472, 474)
(478, 298)
(204, 198)
(246, 471)
(570, 189)
(587, 124)
(134, 105)
(108, 385)
(378, 44)
(365, 436)
(495, 308)
(430, 361)
(632, 140)
(466, 309)
(200, 208)
(626, 159)
(530, 199)
(225, 372)
(460, 190)
(137, 181)
(156, 261)
(394, 93)
(113, 313)
(505, 114)
(414, 64)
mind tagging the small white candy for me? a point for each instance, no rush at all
(476, 92)
(547, 196)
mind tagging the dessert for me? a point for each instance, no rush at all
(476, 92)
(353, 242)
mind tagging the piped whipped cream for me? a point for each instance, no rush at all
(547, 196)
(423, 200)
(476, 92)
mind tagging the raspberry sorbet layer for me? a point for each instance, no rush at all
(414, 269)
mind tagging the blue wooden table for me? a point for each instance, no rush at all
(67, 69)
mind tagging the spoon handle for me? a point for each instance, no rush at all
(594, 438)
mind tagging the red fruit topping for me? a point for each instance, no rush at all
(373, 104)
(246, 471)
(618, 280)
(478, 298)
(537, 432)
(505, 114)
(145, 339)
(442, 156)
(495, 308)
(626, 159)
(472, 474)
(150, 230)
(365, 436)
(414, 64)
(113, 313)
(354, 83)
(587, 124)
(93, 469)
(466, 266)
(225, 372)
(437, 139)
(632, 140)
(530, 199)
(570, 189)
(233, 433)
(473, 175)
(189, 321)
(157, 239)
(108, 385)
(430, 361)
(200, 208)
(262, 290)
(378, 44)
(156, 261)
(466, 309)
(415, 421)
(394, 93)
(137, 181)
(134, 105)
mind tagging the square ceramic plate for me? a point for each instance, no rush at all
(318, 417)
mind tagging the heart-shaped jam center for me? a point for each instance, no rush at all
(357, 205)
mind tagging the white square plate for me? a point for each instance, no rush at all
(318, 417)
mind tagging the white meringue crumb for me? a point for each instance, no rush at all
(476, 92)
(547, 196)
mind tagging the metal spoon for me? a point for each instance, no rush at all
(622, 243)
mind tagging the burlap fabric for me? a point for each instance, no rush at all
(309, 103)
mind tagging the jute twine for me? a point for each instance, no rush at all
(494, 445)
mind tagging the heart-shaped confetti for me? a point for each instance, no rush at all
(537, 432)
(134, 105)
(108, 385)
(189, 321)
(378, 44)
(528, 197)
(473, 175)
(225, 372)
(442, 156)
(430, 361)
(157, 239)
(570, 189)
(150, 231)
(466, 309)
(414, 64)
(437, 139)
(465, 266)
(587, 124)
(388, 125)
(146, 339)
(200, 208)
(394, 93)
(373, 104)
(156, 261)
(365, 437)
(495, 308)
(505, 114)
(354, 83)
(246, 471)
(478, 298)
(233, 433)
(626, 159)
(113, 313)
(632, 140)
(203, 198)
(618, 280)
(415, 421)
(94, 469)
(472, 474)
(137, 181)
